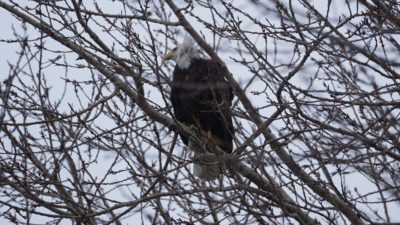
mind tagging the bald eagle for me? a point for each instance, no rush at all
(201, 98)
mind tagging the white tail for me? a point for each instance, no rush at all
(208, 169)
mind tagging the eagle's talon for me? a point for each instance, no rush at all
(193, 127)
(209, 136)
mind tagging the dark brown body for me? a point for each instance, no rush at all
(201, 96)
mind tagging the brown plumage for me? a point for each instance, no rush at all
(202, 97)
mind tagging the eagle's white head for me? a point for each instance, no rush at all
(183, 54)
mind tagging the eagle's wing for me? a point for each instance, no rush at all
(221, 101)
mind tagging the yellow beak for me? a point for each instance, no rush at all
(169, 55)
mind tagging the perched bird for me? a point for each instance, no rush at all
(201, 99)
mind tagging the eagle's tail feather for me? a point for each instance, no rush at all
(206, 171)
(208, 168)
